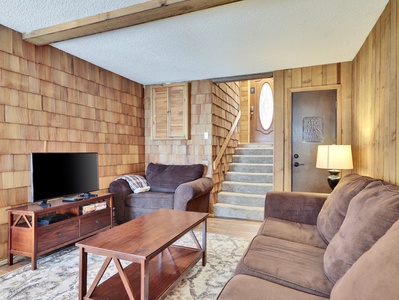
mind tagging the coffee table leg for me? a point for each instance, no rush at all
(204, 229)
(145, 279)
(82, 273)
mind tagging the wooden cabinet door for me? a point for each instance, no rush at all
(170, 111)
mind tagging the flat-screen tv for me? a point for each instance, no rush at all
(63, 174)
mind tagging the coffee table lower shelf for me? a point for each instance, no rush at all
(165, 270)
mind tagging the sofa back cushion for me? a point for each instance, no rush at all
(166, 178)
(370, 214)
(375, 274)
(334, 210)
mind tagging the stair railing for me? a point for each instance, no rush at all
(226, 141)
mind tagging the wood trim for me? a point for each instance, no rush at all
(288, 125)
(226, 141)
(129, 16)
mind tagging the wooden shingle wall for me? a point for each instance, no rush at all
(226, 104)
(376, 101)
(52, 101)
(197, 149)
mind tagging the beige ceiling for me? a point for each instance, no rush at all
(245, 37)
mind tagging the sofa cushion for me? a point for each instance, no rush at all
(294, 265)
(248, 287)
(375, 274)
(370, 214)
(292, 231)
(334, 209)
(166, 178)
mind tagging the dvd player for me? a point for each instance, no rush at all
(72, 199)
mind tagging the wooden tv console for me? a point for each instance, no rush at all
(27, 237)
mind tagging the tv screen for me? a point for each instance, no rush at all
(63, 174)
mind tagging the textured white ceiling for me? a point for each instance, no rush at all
(247, 37)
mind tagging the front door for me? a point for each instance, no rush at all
(314, 122)
(261, 110)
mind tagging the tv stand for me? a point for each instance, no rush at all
(27, 236)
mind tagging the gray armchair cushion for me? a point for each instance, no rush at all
(166, 178)
(150, 200)
(370, 214)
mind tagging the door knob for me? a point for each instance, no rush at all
(297, 164)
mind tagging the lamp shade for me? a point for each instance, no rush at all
(336, 157)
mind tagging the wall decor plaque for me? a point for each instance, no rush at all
(313, 130)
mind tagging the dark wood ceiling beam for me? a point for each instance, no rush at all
(129, 16)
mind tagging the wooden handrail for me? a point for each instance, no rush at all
(226, 141)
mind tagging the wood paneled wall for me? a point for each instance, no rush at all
(336, 76)
(196, 150)
(52, 101)
(376, 101)
(225, 107)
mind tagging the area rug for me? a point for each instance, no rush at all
(57, 274)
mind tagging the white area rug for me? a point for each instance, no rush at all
(57, 274)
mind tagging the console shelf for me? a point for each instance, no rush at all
(27, 237)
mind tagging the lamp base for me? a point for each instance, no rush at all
(334, 178)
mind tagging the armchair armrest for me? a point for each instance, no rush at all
(301, 207)
(193, 195)
(120, 190)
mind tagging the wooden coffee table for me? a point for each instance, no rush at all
(147, 243)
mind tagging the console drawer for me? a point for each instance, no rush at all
(95, 221)
(55, 234)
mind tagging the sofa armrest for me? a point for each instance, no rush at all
(193, 195)
(120, 190)
(301, 207)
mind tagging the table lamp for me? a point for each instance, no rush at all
(334, 158)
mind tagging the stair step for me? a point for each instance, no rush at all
(238, 212)
(257, 168)
(246, 187)
(256, 145)
(249, 177)
(257, 159)
(242, 199)
(253, 151)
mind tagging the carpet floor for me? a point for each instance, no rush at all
(57, 274)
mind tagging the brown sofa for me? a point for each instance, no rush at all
(171, 186)
(340, 246)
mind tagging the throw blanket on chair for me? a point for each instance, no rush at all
(137, 183)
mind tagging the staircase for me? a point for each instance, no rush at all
(249, 178)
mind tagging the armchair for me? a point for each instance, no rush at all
(179, 187)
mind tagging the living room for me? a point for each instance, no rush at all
(51, 101)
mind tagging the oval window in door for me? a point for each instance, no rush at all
(266, 106)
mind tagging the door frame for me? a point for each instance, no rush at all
(288, 126)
